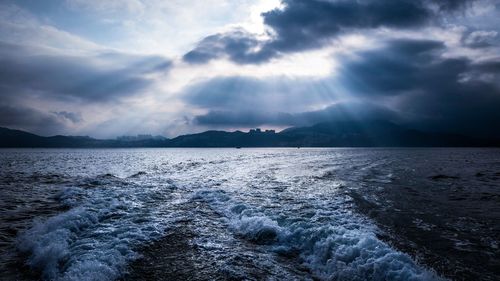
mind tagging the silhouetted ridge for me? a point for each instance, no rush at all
(327, 134)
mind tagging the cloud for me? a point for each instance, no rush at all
(25, 70)
(305, 24)
(41, 88)
(53, 68)
(19, 26)
(345, 111)
(267, 94)
(30, 119)
(308, 24)
(409, 81)
(401, 65)
(71, 116)
(447, 5)
(238, 45)
(481, 39)
(438, 92)
(109, 6)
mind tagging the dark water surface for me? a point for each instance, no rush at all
(250, 214)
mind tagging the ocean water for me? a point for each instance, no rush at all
(250, 214)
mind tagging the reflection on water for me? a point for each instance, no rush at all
(220, 214)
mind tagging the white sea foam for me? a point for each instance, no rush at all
(286, 202)
(332, 250)
(96, 237)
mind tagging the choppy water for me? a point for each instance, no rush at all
(255, 214)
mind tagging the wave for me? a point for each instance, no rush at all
(333, 250)
(96, 238)
(138, 174)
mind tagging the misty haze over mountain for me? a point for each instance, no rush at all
(333, 134)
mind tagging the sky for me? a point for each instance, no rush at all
(106, 68)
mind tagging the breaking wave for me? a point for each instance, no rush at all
(97, 236)
(331, 250)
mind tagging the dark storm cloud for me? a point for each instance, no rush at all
(453, 94)
(30, 119)
(353, 111)
(308, 24)
(427, 90)
(400, 66)
(40, 75)
(408, 65)
(69, 77)
(451, 5)
(490, 67)
(304, 24)
(237, 45)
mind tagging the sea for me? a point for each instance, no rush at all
(250, 214)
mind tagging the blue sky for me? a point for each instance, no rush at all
(107, 68)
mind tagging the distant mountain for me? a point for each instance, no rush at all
(330, 134)
(17, 138)
(140, 138)
(376, 133)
